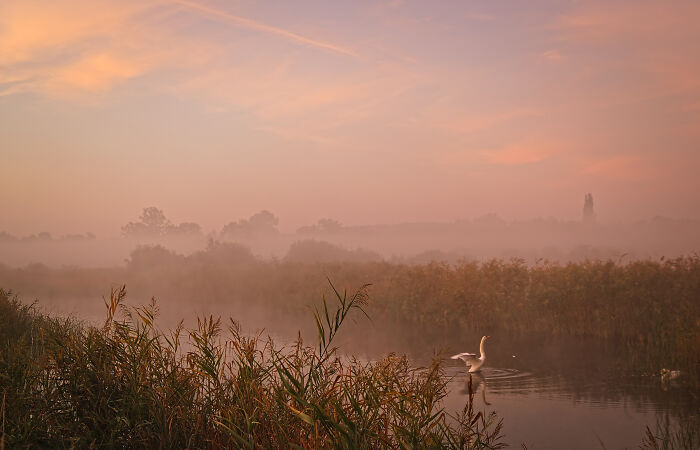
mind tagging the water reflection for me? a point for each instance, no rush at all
(476, 381)
(570, 409)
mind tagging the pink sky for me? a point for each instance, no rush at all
(366, 112)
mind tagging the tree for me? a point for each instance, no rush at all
(185, 229)
(153, 223)
(263, 222)
(322, 226)
(154, 218)
(588, 213)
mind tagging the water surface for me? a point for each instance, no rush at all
(555, 408)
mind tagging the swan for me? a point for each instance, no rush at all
(471, 360)
(668, 375)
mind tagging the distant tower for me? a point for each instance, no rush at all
(588, 213)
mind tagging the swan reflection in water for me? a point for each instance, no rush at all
(476, 380)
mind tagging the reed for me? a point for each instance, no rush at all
(130, 384)
(645, 311)
(683, 435)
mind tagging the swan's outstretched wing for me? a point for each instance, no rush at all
(469, 358)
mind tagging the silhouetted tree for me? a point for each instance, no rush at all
(588, 213)
(263, 222)
(147, 257)
(7, 237)
(153, 223)
(185, 229)
(311, 251)
(224, 254)
(322, 226)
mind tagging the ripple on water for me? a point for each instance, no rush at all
(510, 381)
(595, 391)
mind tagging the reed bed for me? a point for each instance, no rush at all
(128, 384)
(646, 312)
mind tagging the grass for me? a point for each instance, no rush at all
(128, 384)
(647, 311)
(684, 435)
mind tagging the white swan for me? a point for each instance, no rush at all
(471, 360)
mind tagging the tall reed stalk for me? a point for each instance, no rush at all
(129, 384)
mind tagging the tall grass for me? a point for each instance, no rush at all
(130, 384)
(647, 310)
(683, 435)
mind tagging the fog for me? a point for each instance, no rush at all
(328, 240)
(525, 171)
(248, 268)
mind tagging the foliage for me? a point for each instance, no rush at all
(684, 435)
(153, 223)
(128, 384)
(261, 223)
(646, 310)
(309, 251)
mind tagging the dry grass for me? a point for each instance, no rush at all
(129, 384)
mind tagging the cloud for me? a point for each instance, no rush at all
(607, 21)
(479, 17)
(630, 168)
(551, 55)
(59, 46)
(462, 123)
(97, 72)
(642, 50)
(67, 47)
(259, 26)
(517, 154)
(31, 29)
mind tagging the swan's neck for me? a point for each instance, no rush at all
(481, 348)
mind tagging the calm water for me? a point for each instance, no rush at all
(569, 397)
(550, 394)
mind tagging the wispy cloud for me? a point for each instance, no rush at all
(479, 17)
(259, 26)
(97, 72)
(551, 55)
(462, 122)
(66, 46)
(629, 168)
(517, 154)
(607, 20)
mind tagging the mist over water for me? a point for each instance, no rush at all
(524, 171)
(589, 384)
(328, 240)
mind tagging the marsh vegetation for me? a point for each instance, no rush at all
(128, 384)
(210, 383)
(646, 310)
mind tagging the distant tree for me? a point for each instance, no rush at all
(312, 251)
(263, 222)
(185, 229)
(153, 223)
(588, 213)
(224, 254)
(329, 225)
(7, 237)
(147, 257)
(490, 221)
(74, 237)
(322, 226)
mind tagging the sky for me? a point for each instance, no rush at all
(365, 111)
